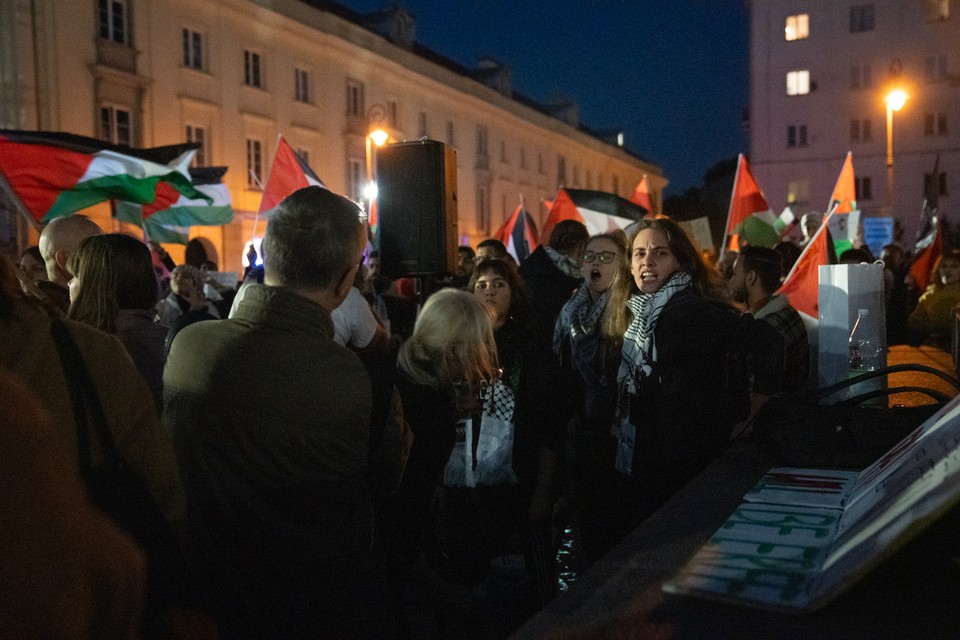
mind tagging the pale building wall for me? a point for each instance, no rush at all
(165, 97)
(901, 33)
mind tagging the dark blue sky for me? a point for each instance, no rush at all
(672, 74)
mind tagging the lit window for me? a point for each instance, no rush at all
(301, 84)
(798, 83)
(254, 164)
(192, 49)
(861, 18)
(251, 69)
(199, 136)
(354, 98)
(937, 10)
(116, 125)
(798, 27)
(114, 21)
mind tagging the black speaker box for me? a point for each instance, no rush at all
(417, 208)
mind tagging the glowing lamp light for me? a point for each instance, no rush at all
(896, 99)
(370, 191)
(379, 137)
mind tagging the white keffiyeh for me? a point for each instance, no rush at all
(638, 356)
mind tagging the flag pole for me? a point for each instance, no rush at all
(256, 218)
(17, 203)
(726, 226)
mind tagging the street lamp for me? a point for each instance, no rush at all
(895, 100)
(376, 137)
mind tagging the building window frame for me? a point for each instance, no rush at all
(252, 69)
(483, 208)
(863, 188)
(356, 176)
(797, 27)
(193, 57)
(116, 124)
(254, 164)
(451, 134)
(113, 17)
(197, 134)
(355, 98)
(861, 76)
(862, 18)
(798, 82)
(301, 85)
(796, 135)
(935, 124)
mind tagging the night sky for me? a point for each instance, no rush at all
(672, 74)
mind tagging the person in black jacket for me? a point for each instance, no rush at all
(552, 273)
(681, 391)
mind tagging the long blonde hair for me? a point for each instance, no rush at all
(452, 341)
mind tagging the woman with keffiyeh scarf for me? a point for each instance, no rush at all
(589, 363)
(681, 389)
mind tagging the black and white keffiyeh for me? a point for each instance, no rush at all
(579, 317)
(638, 356)
(564, 263)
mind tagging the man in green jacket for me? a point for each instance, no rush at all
(271, 424)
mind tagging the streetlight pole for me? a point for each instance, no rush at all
(895, 100)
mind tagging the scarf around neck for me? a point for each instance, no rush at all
(638, 356)
(564, 263)
(579, 317)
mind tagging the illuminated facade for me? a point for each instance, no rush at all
(233, 74)
(819, 73)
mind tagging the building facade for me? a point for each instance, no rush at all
(233, 74)
(820, 71)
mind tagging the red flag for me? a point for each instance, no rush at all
(561, 209)
(641, 195)
(845, 192)
(746, 199)
(518, 234)
(287, 174)
(922, 267)
(802, 284)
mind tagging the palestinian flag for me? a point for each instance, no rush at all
(518, 234)
(169, 217)
(598, 210)
(288, 173)
(929, 245)
(750, 219)
(54, 174)
(802, 284)
(843, 202)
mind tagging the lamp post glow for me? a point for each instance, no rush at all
(895, 101)
(376, 137)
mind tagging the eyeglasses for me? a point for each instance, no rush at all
(606, 257)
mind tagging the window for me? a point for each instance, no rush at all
(114, 21)
(540, 169)
(192, 49)
(393, 114)
(863, 188)
(576, 176)
(937, 10)
(483, 208)
(935, 124)
(589, 179)
(861, 77)
(301, 85)
(423, 124)
(356, 176)
(935, 68)
(354, 98)
(797, 135)
(523, 158)
(798, 83)
(116, 125)
(860, 130)
(254, 164)
(616, 185)
(561, 170)
(450, 138)
(503, 152)
(198, 135)
(482, 139)
(798, 27)
(251, 69)
(861, 18)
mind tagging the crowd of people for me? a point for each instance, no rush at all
(341, 455)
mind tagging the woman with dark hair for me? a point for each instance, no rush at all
(683, 385)
(517, 503)
(114, 289)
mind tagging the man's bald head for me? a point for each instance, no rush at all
(59, 239)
